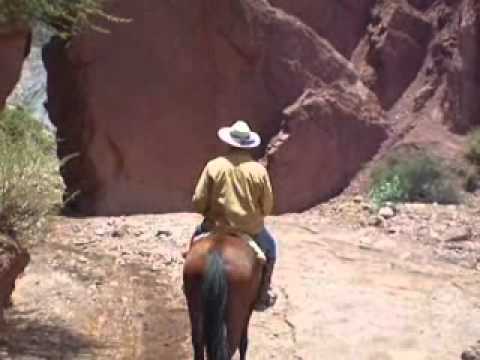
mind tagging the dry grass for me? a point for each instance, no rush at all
(30, 184)
(68, 17)
(473, 149)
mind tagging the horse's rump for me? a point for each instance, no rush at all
(222, 275)
(259, 253)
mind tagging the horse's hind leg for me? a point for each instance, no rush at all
(198, 340)
(244, 345)
(244, 341)
(198, 345)
(197, 323)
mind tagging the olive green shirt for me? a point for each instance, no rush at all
(234, 193)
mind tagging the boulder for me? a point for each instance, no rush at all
(13, 260)
(138, 109)
(342, 23)
(386, 212)
(457, 234)
(326, 136)
(14, 47)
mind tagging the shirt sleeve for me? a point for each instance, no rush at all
(200, 197)
(267, 197)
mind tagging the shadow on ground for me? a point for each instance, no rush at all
(25, 338)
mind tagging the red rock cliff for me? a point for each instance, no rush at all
(14, 47)
(141, 106)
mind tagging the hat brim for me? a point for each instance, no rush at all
(254, 141)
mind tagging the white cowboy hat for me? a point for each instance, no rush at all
(239, 135)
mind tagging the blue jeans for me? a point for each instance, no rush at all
(264, 239)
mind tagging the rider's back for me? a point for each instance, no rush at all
(235, 193)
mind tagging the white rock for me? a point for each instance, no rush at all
(358, 199)
(457, 234)
(386, 212)
(375, 221)
(100, 232)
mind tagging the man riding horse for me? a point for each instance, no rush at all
(234, 195)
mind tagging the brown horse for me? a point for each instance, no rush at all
(221, 276)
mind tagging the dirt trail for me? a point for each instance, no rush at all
(109, 288)
(345, 300)
(92, 308)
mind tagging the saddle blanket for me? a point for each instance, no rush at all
(250, 241)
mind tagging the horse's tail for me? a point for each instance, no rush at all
(214, 295)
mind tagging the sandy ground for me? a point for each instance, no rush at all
(110, 288)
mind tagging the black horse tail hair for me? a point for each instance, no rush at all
(214, 296)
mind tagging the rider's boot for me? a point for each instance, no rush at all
(266, 296)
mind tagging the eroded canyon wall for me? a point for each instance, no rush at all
(14, 47)
(141, 106)
(324, 82)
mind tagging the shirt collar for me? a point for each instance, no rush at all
(240, 154)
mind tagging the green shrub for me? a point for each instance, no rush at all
(30, 184)
(473, 148)
(67, 16)
(471, 182)
(412, 178)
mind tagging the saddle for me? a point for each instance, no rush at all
(249, 239)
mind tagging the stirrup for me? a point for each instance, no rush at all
(269, 300)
